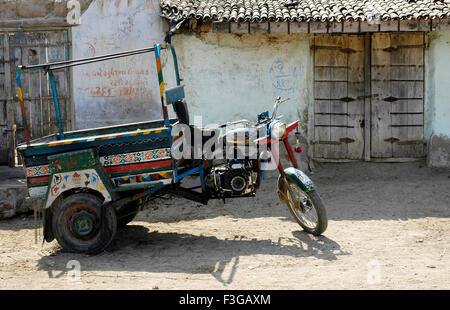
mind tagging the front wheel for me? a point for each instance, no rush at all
(82, 224)
(307, 208)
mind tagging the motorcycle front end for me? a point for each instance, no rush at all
(295, 188)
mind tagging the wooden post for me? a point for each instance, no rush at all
(10, 108)
(367, 96)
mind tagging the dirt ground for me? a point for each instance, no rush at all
(389, 228)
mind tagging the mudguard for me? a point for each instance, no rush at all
(294, 175)
(300, 178)
(73, 170)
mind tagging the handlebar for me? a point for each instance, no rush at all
(278, 101)
(235, 122)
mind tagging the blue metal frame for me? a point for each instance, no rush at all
(48, 67)
(177, 178)
(56, 103)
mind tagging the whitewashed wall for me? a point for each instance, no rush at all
(120, 90)
(230, 77)
(437, 85)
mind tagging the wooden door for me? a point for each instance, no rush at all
(3, 102)
(338, 97)
(397, 86)
(30, 48)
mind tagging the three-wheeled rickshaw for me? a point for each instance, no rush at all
(90, 182)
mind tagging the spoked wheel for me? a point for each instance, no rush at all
(79, 225)
(307, 208)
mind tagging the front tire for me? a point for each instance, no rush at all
(80, 226)
(310, 214)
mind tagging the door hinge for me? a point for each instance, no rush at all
(326, 142)
(390, 99)
(347, 99)
(347, 140)
(13, 60)
(392, 140)
(347, 50)
(409, 142)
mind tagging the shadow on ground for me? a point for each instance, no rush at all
(137, 249)
(350, 191)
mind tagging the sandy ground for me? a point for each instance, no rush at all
(389, 228)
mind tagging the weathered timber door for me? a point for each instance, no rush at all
(338, 96)
(397, 83)
(3, 119)
(29, 48)
(368, 96)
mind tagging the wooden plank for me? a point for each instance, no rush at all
(240, 28)
(407, 49)
(318, 27)
(220, 27)
(338, 89)
(10, 106)
(380, 89)
(321, 106)
(259, 27)
(298, 27)
(414, 108)
(19, 136)
(412, 72)
(367, 98)
(396, 160)
(335, 27)
(391, 25)
(366, 27)
(355, 89)
(351, 27)
(330, 73)
(415, 25)
(3, 105)
(278, 27)
(440, 24)
(34, 88)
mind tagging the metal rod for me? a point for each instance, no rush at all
(90, 59)
(175, 64)
(22, 105)
(162, 85)
(56, 103)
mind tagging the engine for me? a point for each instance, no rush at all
(232, 179)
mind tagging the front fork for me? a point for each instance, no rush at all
(278, 161)
(291, 174)
(283, 184)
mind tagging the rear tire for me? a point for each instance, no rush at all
(312, 203)
(79, 225)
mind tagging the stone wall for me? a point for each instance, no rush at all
(39, 13)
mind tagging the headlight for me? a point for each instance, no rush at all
(278, 130)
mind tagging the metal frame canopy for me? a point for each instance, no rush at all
(49, 67)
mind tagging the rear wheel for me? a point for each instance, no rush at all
(307, 208)
(82, 224)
